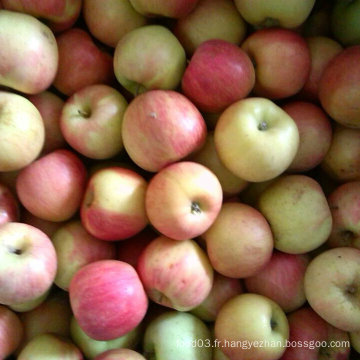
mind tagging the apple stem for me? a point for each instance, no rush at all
(195, 208)
(84, 113)
(273, 324)
(15, 251)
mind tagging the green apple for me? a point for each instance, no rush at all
(345, 24)
(177, 335)
(149, 57)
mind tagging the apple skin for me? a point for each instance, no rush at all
(59, 15)
(75, 247)
(345, 22)
(339, 92)
(342, 161)
(9, 206)
(52, 187)
(308, 328)
(50, 346)
(117, 19)
(344, 203)
(298, 213)
(240, 242)
(223, 289)
(175, 274)
(232, 75)
(266, 13)
(92, 348)
(255, 139)
(231, 184)
(192, 30)
(107, 298)
(120, 354)
(114, 196)
(50, 106)
(147, 58)
(322, 50)
(26, 253)
(332, 287)
(183, 200)
(161, 127)
(178, 335)
(91, 121)
(282, 280)
(81, 62)
(248, 318)
(281, 59)
(11, 330)
(315, 131)
(170, 8)
(22, 131)
(30, 61)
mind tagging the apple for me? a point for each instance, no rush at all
(269, 13)
(312, 338)
(252, 326)
(117, 19)
(9, 205)
(91, 121)
(161, 127)
(223, 21)
(114, 196)
(232, 75)
(344, 22)
(50, 106)
(255, 139)
(282, 280)
(240, 242)
(344, 203)
(149, 57)
(81, 62)
(11, 331)
(92, 348)
(342, 161)
(223, 289)
(183, 200)
(175, 274)
(332, 287)
(297, 210)
(230, 183)
(27, 263)
(169, 8)
(322, 50)
(22, 131)
(315, 131)
(281, 59)
(59, 15)
(52, 187)
(120, 354)
(339, 93)
(30, 54)
(47, 346)
(177, 335)
(75, 247)
(107, 298)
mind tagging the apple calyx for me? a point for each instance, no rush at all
(195, 208)
(15, 251)
(273, 324)
(263, 125)
(268, 23)
(85, 113)
(348, 237)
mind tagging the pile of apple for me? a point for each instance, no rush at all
(180, 179)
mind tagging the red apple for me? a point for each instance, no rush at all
(282, 280)
(108, 299)
(175, 274)
(113, 207)
(9, 207)
(52, 187)
(161, 127)
(315, 133)
(183, 200)
(339, 92)
(81, 62)
(232, 75)
(281, 59)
